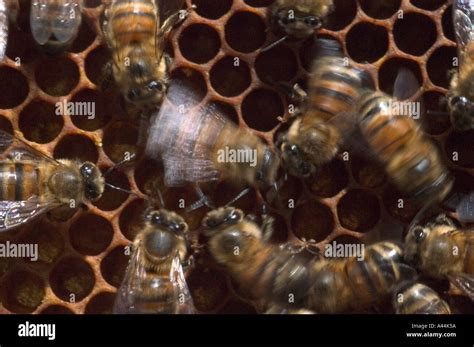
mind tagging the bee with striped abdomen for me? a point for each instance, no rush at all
(8, 12)
(298, 19)
(199, 144)
(461, 92)
(135, 31)
(55, 23)
(315, 136)
(441, 250)
(154, 281)
(418, 298)
(411, 159)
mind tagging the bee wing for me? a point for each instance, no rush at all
(66, 23)
(167, 8)
(184, 137)
(464, 282)
(406, 84)
(465, 208)
(463, 18)
(131, 285)
(3, 29)
(40, 20)
(185, 301)
(15, 213)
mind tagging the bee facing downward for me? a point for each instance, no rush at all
(298, 19)
(55, 23)
(441, 250)
(135, 32)
(461, 93)
(8, 11)
(32, 183)
(154, 280)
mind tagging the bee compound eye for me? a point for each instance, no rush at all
(419, 234)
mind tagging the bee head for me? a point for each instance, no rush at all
(93, 181)
(413, 244)
(296, 24)
(167, 220)
(222, 217)
(267, 168)
(462, 113)
(294, 161)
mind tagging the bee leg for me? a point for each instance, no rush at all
(444, 220)
(106, 77)
(267, 224)
(189, 263)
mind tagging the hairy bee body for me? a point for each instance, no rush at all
(154, 281)
(411, 159)
(299, 18)
(417, 298)
(340, 285)
(334, 88)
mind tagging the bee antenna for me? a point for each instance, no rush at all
(123, 161)
(160, 197)
(240, 195)
(203, 201)
(120, 189)
(274, 44)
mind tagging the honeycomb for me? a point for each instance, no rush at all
(82, 255)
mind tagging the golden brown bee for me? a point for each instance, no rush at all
(135, 31)
(267, 271)
(274, 309)
(299, 19)
(315, 136)
(340, 285)
(418, 298)
(461, 93)
(412, 160)
(55, 23)
(32, 183)
(154, 281)
(292, 281)
(441, 250)
(8, 11)
(198, 144)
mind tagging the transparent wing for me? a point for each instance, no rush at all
(167, 8)
(406, 84)
(464, 282)
(3, 29)
(127, 292)
(15, 213)
(463, 18)
(465, 208)
(40, 20)
(68, 19)
(183, 137)
(185, 301)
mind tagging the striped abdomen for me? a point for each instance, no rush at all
(375, 277)
(18, 181)
(419, 299)
(158, 295)
(133, 21)
(333, 88)
(411, 159)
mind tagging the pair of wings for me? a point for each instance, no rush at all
(55, 18)
(15, 213)
(183, 137)
(133, 284)
(463, 20)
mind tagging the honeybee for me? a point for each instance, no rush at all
(298, 19)
(268, 271)
(339, 285)
(8, 11)
(292, 281)
(199, 144)
(411, 159)
(32, 183)
(278, 310)
(441, 250)
(55, 23)
(154, 281)
(315, 136)
(461, 93)
(135, 31)
(418, 298)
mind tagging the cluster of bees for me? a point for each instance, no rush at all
(340, 101)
